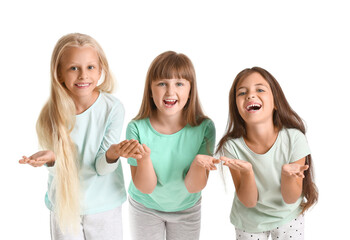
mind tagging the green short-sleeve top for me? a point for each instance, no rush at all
(171, 157)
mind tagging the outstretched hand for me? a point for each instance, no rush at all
(39, 159)
(205, 161)
(237, 164)
(295, 170)
(126, 149)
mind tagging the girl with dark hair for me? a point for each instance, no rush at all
(269, 159)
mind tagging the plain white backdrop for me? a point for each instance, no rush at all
(304, 44)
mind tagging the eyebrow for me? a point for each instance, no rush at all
(259, 84)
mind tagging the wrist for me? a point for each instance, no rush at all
(144, 160)
(111, 157)
(248, 172)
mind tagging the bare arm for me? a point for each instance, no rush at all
(292, 180)
(197, 176)
(143, 175)
(244, 180)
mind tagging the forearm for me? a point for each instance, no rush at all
(291, 188)
(144, 176)
(247, 191)
(196, 178)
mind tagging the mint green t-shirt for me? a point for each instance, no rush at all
(171, 156)
(101, 184)
(270, 211)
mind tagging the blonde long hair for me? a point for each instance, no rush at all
(170, 65)
(55, 123)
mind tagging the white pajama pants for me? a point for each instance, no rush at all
(293, 230)
(101, 226)
(150, 224)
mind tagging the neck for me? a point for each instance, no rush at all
(167, 124)
(83, 103)
(261, 137)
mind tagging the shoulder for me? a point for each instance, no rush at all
(231, 148)
(292, 134)
(135, 127)
(111, 100)
(207, 124)
(111, 104)
(232, 143)
(137, 124)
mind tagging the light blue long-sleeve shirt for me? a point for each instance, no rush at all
(101, 183)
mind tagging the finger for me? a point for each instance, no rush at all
(212, 167)
(123, 142)
(225, 159)
(216, 161)
(141, 149)
(125, 146)
(131, 146)
(147, 149)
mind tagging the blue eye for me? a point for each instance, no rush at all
(161, 84)
(179, 84)
(74, 68)
(260, 90)
(241, 94)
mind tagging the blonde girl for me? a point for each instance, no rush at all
(177, 143)
(269, 159)
(78, 129)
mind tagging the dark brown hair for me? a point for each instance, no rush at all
(283, 117)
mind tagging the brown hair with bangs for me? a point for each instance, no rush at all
(169, 65)
(283, 117)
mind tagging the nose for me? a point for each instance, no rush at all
(83, 74)
(170, 89)
(250, 96)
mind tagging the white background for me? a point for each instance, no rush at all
(304, 44)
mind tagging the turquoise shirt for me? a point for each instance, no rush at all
(101, 184)
(171, 156)
(270, 211)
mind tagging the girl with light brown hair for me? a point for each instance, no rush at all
(177, 142)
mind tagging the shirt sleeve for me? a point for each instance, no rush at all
(228, 150)
(111, 136)
(208, 143)
(300, 147)
(132, 133)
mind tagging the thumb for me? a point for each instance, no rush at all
(147, 149)
(304, 168)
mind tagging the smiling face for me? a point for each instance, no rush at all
(80, 71)
(170, 96)
(254, 99)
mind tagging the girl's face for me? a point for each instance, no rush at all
(170, 96)
(254, 99)
(80, 71)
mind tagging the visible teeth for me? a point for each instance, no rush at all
(83, 85)
(170, 100)
(254, 106)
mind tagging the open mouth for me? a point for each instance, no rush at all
(82, 85)
(169, 103)
(253, 107)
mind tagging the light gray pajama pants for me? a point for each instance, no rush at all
(101, 226)
(150, 224)
(293, 230)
